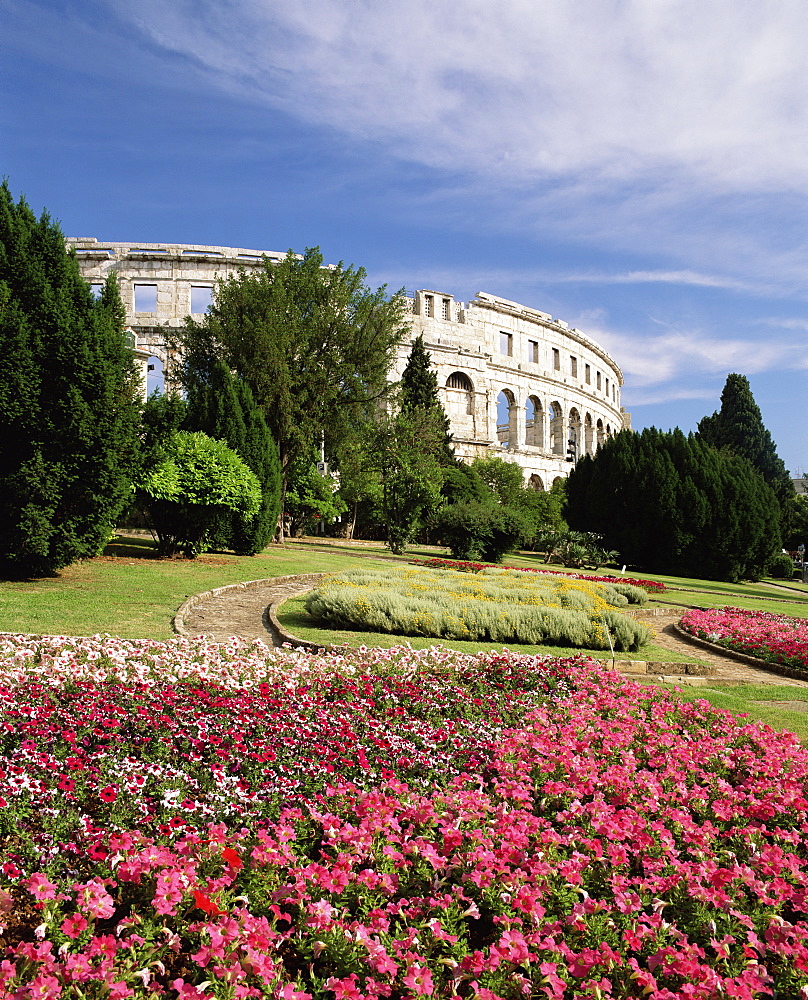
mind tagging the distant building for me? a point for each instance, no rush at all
(800, 484)
(514, 381)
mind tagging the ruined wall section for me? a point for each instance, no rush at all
(556, 390)
(517, 383)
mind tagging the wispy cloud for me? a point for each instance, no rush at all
(523, 88)
(683, 364)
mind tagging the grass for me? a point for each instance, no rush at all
(130, 593)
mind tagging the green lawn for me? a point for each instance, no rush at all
(130, 593)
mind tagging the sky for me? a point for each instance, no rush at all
(637, 168)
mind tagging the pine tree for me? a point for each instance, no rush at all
(738, 426)
(223, 407)
(419, 390)
(69, 398)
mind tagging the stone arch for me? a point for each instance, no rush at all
(558, 479)
(460, 392)
(534, 423)
(573, 435)
(589, 435)
(506, 419)
(535, 483)
(557, 437)
(601, 434)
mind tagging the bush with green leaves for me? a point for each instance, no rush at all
(494, 605)
(474, 530)
(185, 494)
(781, 567)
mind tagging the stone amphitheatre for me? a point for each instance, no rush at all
(515, 382)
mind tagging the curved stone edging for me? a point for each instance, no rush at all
(293, 640)
(731, 654)
(178, 621)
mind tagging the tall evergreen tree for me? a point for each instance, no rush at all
(69, 399)
(738, 426)
(670, 503)
(223, 407)
(419, 391)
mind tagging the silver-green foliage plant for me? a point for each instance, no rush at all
(495, 605)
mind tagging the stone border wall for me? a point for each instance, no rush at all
(752, 661)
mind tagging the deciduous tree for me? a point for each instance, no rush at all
(313, 343)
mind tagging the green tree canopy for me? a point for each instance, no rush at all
(674, 504)
(419, 391)
(222, 405)
(738, 426)
(313, 343)
(69, 399)
(185, 494)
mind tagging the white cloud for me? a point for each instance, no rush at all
(689, 358)
(524, 88)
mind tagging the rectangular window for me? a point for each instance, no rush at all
(429, 305)
(444, 309)
(96, 287)
(573, 366)
(588, 374)
(201, 298)
(506, 344)
(145, 298)
(598, 382)
(607, 387)
(556, 360)
(533, 351)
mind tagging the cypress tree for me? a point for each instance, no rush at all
(223, 407)
(670, 503)
(69, 396)
(419, 391)
(738, 426)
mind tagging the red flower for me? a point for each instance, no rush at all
(108, 794)
(206, 904)
(232, 859)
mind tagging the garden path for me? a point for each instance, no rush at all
(244, 613)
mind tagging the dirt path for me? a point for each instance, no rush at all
(244, 612)
(728, 670)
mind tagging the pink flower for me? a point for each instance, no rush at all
(73, 925)
(40, 886)
(419, 980)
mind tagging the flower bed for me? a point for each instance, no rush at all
(770, 637)
(651, 586)
(494, 605)
(593, 839)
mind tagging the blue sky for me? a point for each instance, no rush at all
(638, 168)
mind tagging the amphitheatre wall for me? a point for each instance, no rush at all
(514, 381)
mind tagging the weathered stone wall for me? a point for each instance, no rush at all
(563, 389)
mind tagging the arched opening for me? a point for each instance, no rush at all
(535, 483)
(558, 479)
(459, 395)
(574, 436)
(557, 437)
(600, 433)
(506, 419)
(155, 379)
(589, 434)
(534, 423)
